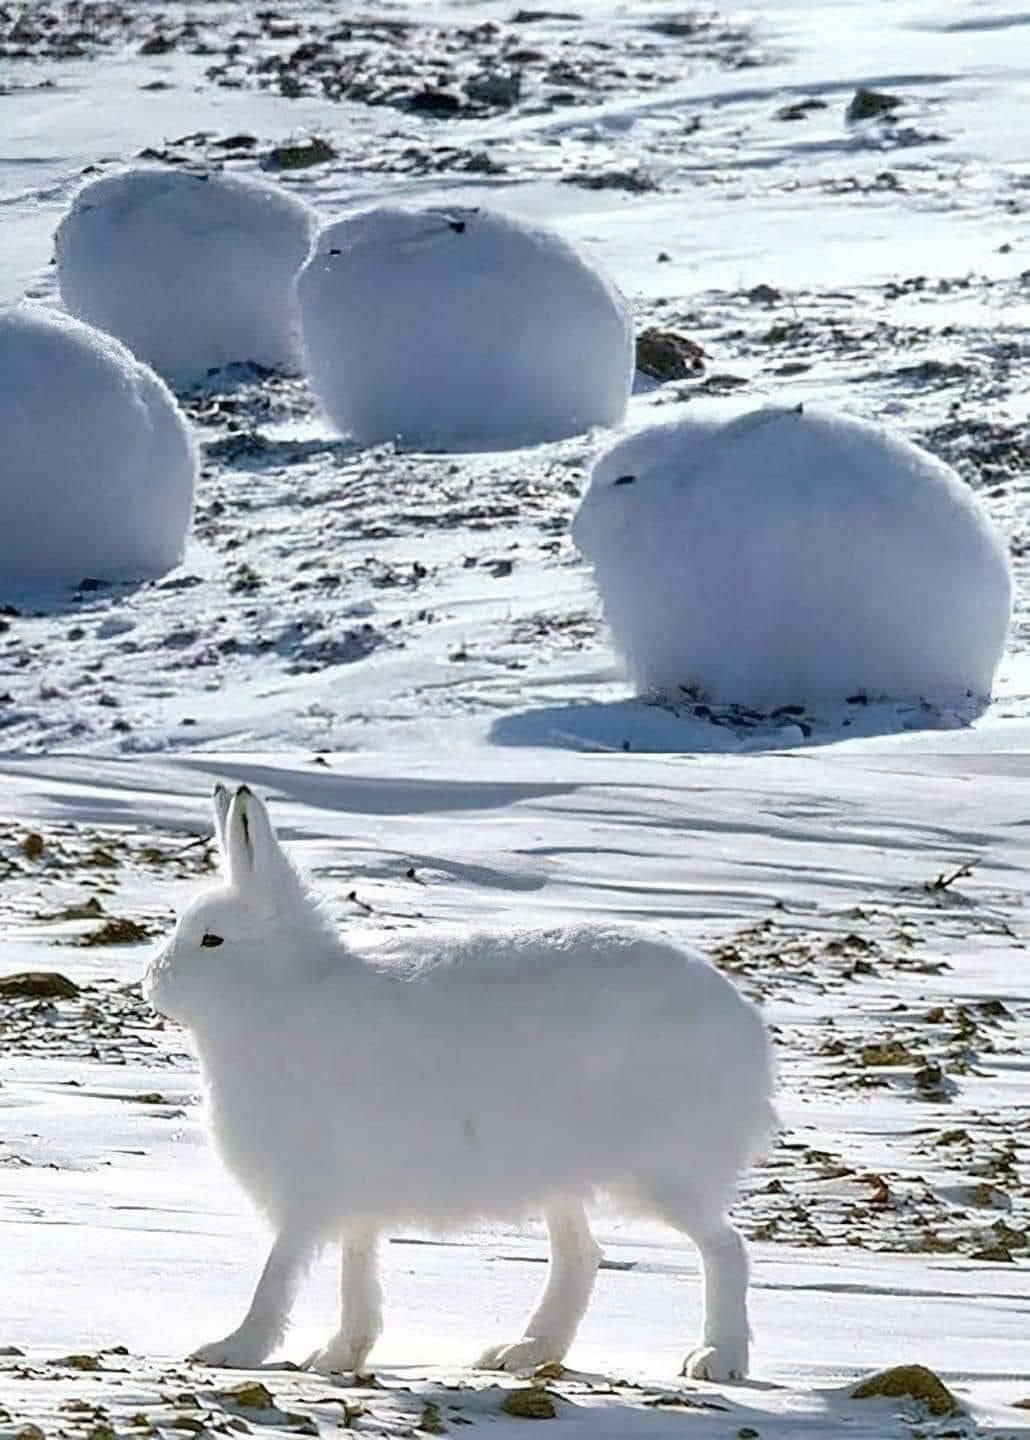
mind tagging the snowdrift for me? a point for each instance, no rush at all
(192, 270)
(788, 556)
(461, 329)
(97, 467)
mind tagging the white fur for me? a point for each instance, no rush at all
(461, 329)
(450, 1078)
(792, 556)
(97, 465)
(193, 271)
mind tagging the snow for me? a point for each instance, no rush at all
(789, 556)
(98, 465)
(460, 328)
(193, 270)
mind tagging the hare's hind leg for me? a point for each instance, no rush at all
(551, 1328)
(722, 1352)
(265, 1323)
(361, 1301)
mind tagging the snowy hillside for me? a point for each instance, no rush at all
(804, 203)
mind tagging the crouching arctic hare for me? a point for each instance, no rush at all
(444, 1079)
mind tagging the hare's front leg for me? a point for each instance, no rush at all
(265, 1322)
(551, 1328)
(361, 1301)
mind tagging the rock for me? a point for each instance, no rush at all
(667, 355)
(433, 101)
(764, 295)
(248, 1395)
(891, 1052)
(78, 1362)
(915, 1381)
(116, 931)
(636, 182)
(431, 1421)
(534, 1403)
(533, 17)
(800, 109)
(499, 89)
(157, 44)
(870, 105)
(298, 156)
(37, 985)
(32, 845)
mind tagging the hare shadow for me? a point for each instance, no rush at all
(649, 727)
(90, 596)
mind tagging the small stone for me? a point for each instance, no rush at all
(800, 109)
(764, 295)
(248, 1395)
(431, 1421)
(915, 1381)
(868, 104)
(78, 1362)
(532, 1404)
(32, 845)
(116, 931)
(298, 156)
(500, 89)
(891, 1052)
(157, 44)
(668, 355)
(37, 985)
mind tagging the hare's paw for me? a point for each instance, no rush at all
(523, 1357)
(717, 1362)
(344, 1355)
(238, 1351)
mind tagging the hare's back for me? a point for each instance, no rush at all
(586, 968)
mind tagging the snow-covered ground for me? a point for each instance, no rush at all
(425, 623)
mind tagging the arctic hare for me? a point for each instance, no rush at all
(443, 1079)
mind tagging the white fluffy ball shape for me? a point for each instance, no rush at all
(461, 329)
(790, 556)
(97, 467)
(192, 270)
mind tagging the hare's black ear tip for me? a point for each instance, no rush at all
(220, 790)
(244, 792)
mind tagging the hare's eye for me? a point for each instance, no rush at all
(625, 480)
(210, 941)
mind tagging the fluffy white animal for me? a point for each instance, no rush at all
(192, 270)
(461, 329)
(98, 465)
(793, 556)
(446, 1079)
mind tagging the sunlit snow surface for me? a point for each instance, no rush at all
(425, 621)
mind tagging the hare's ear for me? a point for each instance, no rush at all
(221, 799)
(252, 848)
